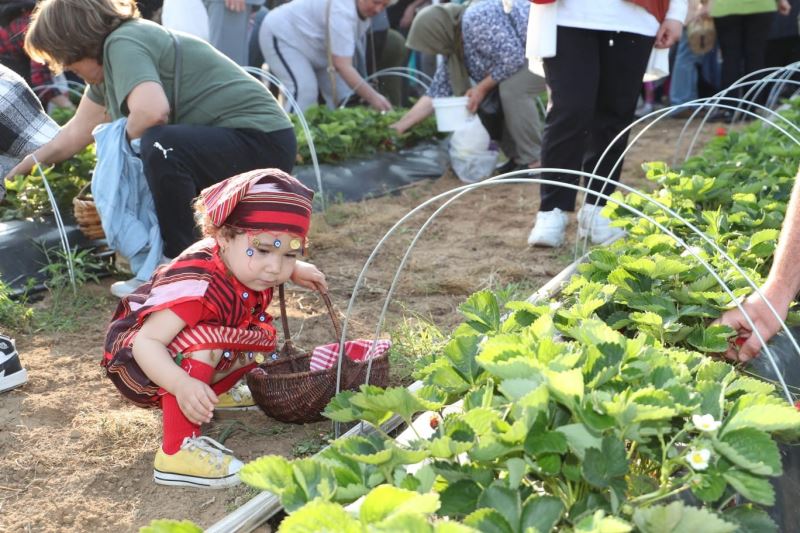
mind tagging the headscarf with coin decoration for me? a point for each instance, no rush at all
(263, 200)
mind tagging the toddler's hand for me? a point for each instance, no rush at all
(308, 276)
(196, 400)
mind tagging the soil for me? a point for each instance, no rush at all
(76, 457)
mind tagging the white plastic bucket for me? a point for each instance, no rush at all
(451, 112)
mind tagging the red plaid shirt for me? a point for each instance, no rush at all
(12, 54)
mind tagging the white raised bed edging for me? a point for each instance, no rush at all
(266, 505)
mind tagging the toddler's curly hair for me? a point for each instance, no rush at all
(207, 228)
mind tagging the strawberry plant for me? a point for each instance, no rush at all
(600, 410)
(338, 135)
(564, 424)
(27, 197)
(341, 134)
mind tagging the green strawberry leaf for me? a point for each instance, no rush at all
(754, 488)
(386, 501)
(751, 449)
(680, 518)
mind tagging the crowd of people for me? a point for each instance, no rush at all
(175, 115)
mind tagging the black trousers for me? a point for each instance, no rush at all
(181, 160)
(594, 82)
(743, 44)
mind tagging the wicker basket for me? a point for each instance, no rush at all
(288, 391)
(86, 215)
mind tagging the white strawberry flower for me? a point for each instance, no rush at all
(698, 459)
(705, 423)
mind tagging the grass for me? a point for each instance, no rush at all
(415, 342)
(512, 291)
(66, 311)
(119, 437)
(311, 445)
(238, 496)
(222, 431)
(337, 214)
(13, 313)
(85, 267)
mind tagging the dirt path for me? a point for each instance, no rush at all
(76, 458)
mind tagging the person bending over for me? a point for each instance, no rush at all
(220, 121)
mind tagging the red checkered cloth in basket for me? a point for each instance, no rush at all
(358, 350)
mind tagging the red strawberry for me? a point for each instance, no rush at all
(740, 340)
(797, 405)
(434, 422)
(721, 132)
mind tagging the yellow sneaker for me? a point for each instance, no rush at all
(238, 398)
(201, 462)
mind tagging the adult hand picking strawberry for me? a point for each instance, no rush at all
(747, 345)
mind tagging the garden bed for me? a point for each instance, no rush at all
(78, 458)
(359, 157)
(600, 410)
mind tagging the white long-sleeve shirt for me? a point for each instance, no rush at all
(615, 15)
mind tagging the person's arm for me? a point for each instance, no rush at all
(504, 44)
(195, 398)
(780, 288)
(422, 109)
(148, 106)
(344, 66)
(477, 93)
(671, 29)
(410, 12)
(73, 137)
(309, 276)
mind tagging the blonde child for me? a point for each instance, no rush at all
(201, 323)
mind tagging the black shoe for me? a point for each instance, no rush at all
(508, 166)
(12, 375)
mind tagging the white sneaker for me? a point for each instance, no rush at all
(12, 374)
(591, 222)
(120, 289)
(643, 109)
(549, 229)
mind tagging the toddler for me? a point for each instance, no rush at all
(201, 323)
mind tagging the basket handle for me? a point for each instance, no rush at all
(82, 192)
(337, 328)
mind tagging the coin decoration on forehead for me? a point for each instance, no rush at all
(256, 241)
(294, 244)
(276, 243)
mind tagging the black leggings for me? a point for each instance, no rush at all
(594, 81)
(180, 161)
(743, 44)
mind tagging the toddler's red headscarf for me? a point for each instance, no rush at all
(264, 199)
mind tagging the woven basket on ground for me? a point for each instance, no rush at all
(288, 391)
(86, 215)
